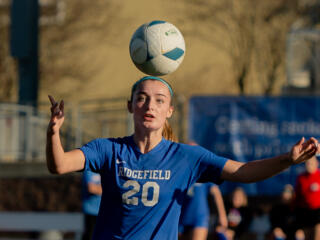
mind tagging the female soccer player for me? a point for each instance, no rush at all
(146, 177)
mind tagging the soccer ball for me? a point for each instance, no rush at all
(157, 48)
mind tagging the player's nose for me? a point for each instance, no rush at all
(151, 104)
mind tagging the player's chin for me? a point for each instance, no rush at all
(149, 126)
(152, 126)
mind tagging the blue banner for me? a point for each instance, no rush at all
(250, 128)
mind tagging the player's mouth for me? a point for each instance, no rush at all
(148, 117)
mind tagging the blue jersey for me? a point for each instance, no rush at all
(143, 193)
(195, 210)
(90, 202)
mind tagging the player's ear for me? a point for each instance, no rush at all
(170, 111)
(129, 106)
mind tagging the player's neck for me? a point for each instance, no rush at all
(146, 142)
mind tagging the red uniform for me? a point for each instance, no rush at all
(308, 190)
(308, 199)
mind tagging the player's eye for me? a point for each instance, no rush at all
(141, 98)
(160, 100)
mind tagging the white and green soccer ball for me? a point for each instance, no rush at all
(157, 48)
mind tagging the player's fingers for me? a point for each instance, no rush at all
(305, 156)
(311, 143)
(298, 147)
(315, 142)
(55, 109)
(53, 102)
(309, 154)
(54, 106)
(61, 106)
(301, 141)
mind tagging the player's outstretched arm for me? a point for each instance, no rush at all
(59, 161)
(261, 169)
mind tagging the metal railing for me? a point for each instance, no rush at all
(23, 128)
(21, 133)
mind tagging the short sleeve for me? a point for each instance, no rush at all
(96, 153)
(211, 167)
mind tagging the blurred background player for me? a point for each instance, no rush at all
(260, 225)
(308, 198)
(195, 213)
(92, 191)
(239, 214)
(282, 215)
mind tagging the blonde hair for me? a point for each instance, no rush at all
(167, 132)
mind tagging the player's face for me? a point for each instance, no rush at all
(311, 165)
(238, 198)
(151, 105)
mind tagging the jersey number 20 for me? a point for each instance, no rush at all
(129, 198)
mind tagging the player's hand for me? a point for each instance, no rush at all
(304, 150)
(57, 116)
